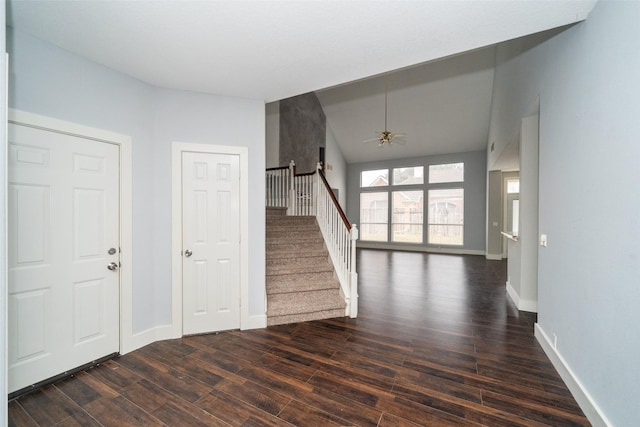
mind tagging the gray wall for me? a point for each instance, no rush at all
(272, 126)
(475, 172)
(494, 215)
(588, 290)
(3, 224)
(52, 82)
(336, 168)
(302, 131)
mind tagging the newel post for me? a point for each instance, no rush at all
(317, 189)
(353, 275)
(291, 206)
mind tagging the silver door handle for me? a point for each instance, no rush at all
(112, 266)
(188, 253)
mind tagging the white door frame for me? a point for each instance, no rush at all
(23, 118)
(177, 149)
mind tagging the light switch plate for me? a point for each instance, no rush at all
(543, 240)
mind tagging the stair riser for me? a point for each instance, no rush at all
(320, 277)
(294, 235)
(273, 255)
(297, 227)
(306, 317)
(301, 282)
(297, 248)
(304, 302)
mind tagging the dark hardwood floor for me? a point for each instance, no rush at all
(437, 342)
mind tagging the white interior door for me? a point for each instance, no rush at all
(210, 242)
(63, 222)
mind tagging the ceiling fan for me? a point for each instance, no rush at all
(386, 137)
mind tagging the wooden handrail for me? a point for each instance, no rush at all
(335, 201)
(278, 168)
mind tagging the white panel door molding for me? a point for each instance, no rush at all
(210, 255)
(63, 219)
(211, 242)
(128, 340)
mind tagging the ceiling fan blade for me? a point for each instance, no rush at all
(366, 141)
(399, 139)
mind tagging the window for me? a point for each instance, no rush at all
(450, 172)
(375, 178)
(513, 186)
(408, 176)
(374, 216)
(407, 220)
(446, 216)
(393, 208)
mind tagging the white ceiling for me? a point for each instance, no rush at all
(442, 106)
(271, 50)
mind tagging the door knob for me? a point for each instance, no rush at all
(188, 253)
(112, 266)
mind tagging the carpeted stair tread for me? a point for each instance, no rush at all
(301, 282)
(304, 302)
(300, 261)
(294, 248)
(292, 280)
(301, 253)
(305, 317)
(281, 284)
(294, 235)
(276, 211)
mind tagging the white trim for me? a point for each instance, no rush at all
(151, 335)
(513, 295)
(415, 248)
(126, 210)
(177, 148)
(255, 321)
(521, 304)
(494, 257)
(577, 389)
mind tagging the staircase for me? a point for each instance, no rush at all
(301, 282)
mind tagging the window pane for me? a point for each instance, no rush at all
(374, 217)
(377, 178)
(451, 172)
(408, 176)
(446, 216)
(513, 186)
(407, 216)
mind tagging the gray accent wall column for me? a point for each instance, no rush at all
(303, 130)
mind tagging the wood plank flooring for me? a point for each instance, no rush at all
(437, 342)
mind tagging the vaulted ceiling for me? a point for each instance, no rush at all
(443, 107)
(271, 50)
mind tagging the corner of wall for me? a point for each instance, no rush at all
(578, 390)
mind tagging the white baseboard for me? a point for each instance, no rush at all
(528, 305)
(256, 321)
(494, 257)
(513, 294)
(584, 400)
(169, 332)
(146, 337)
(522, 304)
(417, 248)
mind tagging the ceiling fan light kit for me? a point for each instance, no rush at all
(386, 137)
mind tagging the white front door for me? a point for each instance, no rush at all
(63, 233)
(210, 242)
